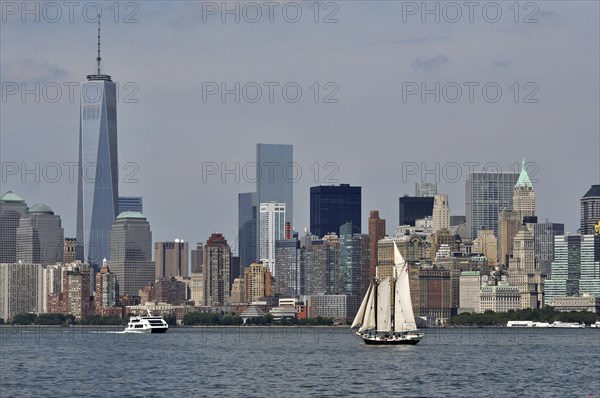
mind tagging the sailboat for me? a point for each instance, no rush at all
(385, 316)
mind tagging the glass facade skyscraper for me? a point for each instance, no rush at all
(332, 206)
(247, 228)
(98, 192)
(130, 203)
(275, 176)
(412, 208)
(487, 193)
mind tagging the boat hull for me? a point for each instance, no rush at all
(389, 342)
(405, 339)
(158, 330)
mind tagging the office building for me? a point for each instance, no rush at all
(376, 232)
(171, 258)
(257, 282)
(470, 290)
(98, 167)
(20, 289)
(576, 267)
(487, 244)
(40, 237)
(441, 213)
(413, 208)
(332, 206)
(197, 257)
(107, 288)
(131, 252)
(289, 279)
(271, 229)
(276, 172)
(217, 269)
(590, 210)
(544, 234)
(131, 203)
(12, 208)
(425, 189)
(320, 262)
(487, 193)
(247, 228)
(70, 250)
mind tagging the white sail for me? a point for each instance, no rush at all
(404, 318)
(369, 319)
(358, 319)
(384, 306)
(405, 301)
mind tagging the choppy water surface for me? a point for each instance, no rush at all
(297, 362)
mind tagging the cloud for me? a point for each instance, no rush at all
(501, 63)
(28, 70)
(418, 40)
(429, 64)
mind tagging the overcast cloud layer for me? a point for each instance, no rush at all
(369, 54)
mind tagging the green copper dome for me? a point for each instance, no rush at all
(524, 180)
(41, 208)
(10, 196)
(131, 214)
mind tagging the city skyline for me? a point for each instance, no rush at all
(218, 200)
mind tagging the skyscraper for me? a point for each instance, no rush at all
(247, 228)
(12, 208)
(271, 229)
(289, 274)
(130, 203)
(590, 210)
(376, 232)
(257, 282)
(320, 264)
(412, 208)
(40, 236)
(523, 195)
(544, 234)
(576, 267)
(487, 193)
(217, 267)
(332, 206)
(197, 258)
(20, 288)
(98, 173)
(425, 189)
(354, 266)
(131, 252)
(275, 175)
(107, 288)
(441, 213)
(171, 258)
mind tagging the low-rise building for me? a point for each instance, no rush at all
(587, 302)
(500, 298)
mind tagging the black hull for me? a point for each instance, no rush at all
(390, 342)
(162, 330)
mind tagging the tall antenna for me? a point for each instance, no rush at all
(98, 59)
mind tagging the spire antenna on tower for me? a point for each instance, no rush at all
(98, 59)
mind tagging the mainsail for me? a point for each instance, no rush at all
(403, 312)
(358, 319)
(369, 319)
(384, 307)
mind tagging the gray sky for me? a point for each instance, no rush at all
(371, 134)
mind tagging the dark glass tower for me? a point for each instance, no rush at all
(247, 228)
(332, 206)
(97, 193)
(413, 208)
(590, 210)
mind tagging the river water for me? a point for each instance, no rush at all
(328, 362)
